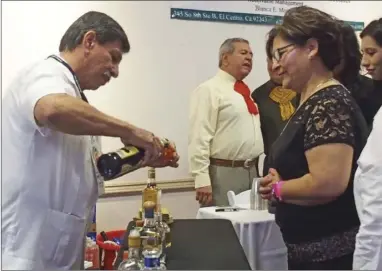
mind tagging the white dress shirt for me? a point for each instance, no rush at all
(48, 182)
(368, 199)
(220, 127)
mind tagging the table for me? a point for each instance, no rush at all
(201, 244)
(258, 234)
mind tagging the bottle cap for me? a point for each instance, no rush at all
(139, 223)
(134, 239)
(149, 207)
(165, 142)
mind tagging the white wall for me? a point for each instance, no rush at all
(168, 59)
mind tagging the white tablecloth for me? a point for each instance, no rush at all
(259, 236)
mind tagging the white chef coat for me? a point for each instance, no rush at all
(368, 199)
(48, 180)
(220, 127)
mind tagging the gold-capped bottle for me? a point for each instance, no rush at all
(133, 262)
(150, 192)
(149, 227)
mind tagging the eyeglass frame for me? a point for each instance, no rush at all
(280, 52)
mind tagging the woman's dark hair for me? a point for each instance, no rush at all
(374, 30)
(269, 44)
(302, 23)
(351, 55)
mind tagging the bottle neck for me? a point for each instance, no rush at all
(158, 217)
(149, 222)
(133, 253)
(151, 182)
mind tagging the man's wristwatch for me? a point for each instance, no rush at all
(276, 190)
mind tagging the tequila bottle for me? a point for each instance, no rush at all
(162, 227)
(150, 193)
(133, 262)
(149, 227)
(151, 254)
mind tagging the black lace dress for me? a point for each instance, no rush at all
(322, 236)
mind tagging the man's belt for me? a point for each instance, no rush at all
(234, 163)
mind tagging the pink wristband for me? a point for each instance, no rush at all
(277, 189)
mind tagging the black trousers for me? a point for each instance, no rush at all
(341, 263)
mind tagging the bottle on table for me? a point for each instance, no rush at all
(151, 255)
(162, 227)
(149, 227)
(133, 262)
(150, 192)
(118, 163)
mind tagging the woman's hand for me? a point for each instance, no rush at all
(266, 183)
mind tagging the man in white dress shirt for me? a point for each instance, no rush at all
(368, 200)
(50, 182)
(225, 138)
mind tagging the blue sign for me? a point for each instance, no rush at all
(235, 17)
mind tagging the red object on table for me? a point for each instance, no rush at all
(109, 250)
(92, 255)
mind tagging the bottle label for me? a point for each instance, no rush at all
(125, 169)
(151, 262)
(127, 151)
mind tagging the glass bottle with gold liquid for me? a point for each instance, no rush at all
(150, 193)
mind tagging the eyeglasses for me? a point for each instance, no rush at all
(278, 54)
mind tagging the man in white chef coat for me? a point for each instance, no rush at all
(50, 145)
(368, 200)
(225, 138)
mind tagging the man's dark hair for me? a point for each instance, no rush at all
(105, 27)
(374, 30)
(303, 22)
(269, 44)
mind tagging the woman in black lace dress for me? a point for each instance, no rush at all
(314, 159)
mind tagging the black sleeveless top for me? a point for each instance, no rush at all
(331, 115)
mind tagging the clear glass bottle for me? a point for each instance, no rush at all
(151, 255)
(162, 227)
(133, 262)
(150, 192)
(149, 227)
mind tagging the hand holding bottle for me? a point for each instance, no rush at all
(169, 157)
(147, 141)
